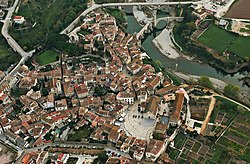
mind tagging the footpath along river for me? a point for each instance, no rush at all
(184, 65)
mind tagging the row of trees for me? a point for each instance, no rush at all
(230, 90)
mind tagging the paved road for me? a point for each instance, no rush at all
(76, 21)
(7, 22)
(13, 44)
(244, 106)
(95, 6)
(150, 3)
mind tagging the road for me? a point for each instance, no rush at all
(13, 44)
(244, 106)
(76, 21)
(95, 6)
(7, 22)
(150, 3)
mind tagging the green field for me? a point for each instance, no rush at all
(179, 139)
(220, 40)
(196, 147)
(83, 132)
(173, 153)
(224, 106)
(47, 57)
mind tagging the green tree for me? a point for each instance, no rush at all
(102, 158)
(232, 91)
(191, 81)
(158, 62)
(204, 81)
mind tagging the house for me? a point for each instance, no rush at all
(134, 68)
(16, 139)
(178, 104)
(4, 124)
(169, 97)
(62, 158)
(142, 95)
(61, 105)
(27, 82)
(49, 102)
(179, 99)
(167, 90)
(160, 128)
(114, 134)
(155, 82)
(34, 95)
(35, 157)
(125, 96)
(118, 160)
(164, 158)
(201, 13)
(19, 19)
(68, 89)
(81, 90)
(152, 107)
(154, 149)
(139, 146)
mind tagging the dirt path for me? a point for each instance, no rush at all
(206, 121)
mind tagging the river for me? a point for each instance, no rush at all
(184, 65)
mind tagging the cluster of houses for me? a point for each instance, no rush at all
(62, 95)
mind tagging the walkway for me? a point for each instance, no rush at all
(206, 121)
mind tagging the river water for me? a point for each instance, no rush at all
(184, 65)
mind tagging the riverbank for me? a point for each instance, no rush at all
(216, 82)
(165, 45)
(219, 85)
(140, 16)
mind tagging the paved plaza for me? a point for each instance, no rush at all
(139, 126)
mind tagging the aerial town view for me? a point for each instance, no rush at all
(124, 81)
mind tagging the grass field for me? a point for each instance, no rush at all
(196, 147)
(173, 153)
(47, 57)
(221, 40)
(81, 133)
(179, 139)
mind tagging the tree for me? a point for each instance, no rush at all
(232, 91)
(102, 157)
(204, 81)
(191, 81)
